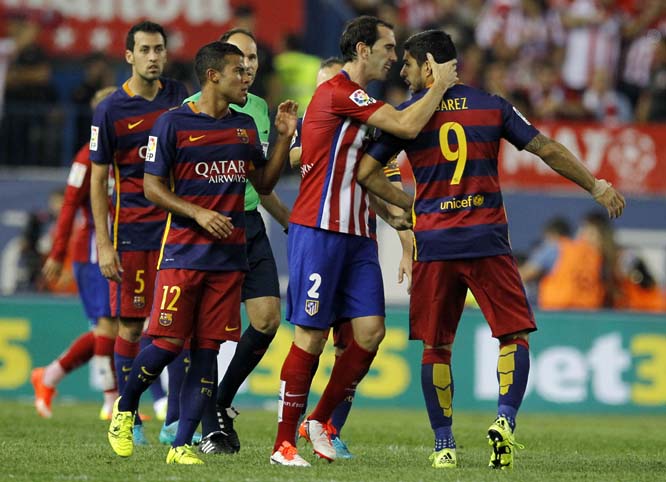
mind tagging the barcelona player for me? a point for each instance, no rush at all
(333, 263)
(461, 236)
(199, 159)
(118, 140)
(261, 288)
(95, 345)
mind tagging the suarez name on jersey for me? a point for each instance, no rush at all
(119, 137)
(334, 136)
(207, 161)
(458, 202)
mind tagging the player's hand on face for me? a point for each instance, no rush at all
(612, 200)
(52, 269)
(109, 263)
(286, 118)
(446, 73)
(215, 223)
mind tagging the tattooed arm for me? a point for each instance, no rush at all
(562, 161)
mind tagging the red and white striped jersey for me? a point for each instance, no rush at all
(334, 137)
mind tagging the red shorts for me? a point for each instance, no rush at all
(204, 305)
(438, 296)
(133, 297)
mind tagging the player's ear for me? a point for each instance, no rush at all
(129, 57)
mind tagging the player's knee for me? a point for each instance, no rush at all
(106, 327)
(370, 337)
(130, 330)
(267, 324)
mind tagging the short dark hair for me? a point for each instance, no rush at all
(331, 61)
(558, 226)
(361, 29)
(437, 42)
(229, 33)
(145, 26)
(213, 56)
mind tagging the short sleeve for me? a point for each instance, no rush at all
(515, 126)
(350, 100)
(392, 170)
(103, 139)
(296, 139)
(385, 148)
(161, 152)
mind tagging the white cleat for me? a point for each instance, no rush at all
(287, 455)
(319, 435)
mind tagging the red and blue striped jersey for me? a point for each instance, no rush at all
(119, 138)
(77, 199)
(206, 161)
(458, 207)
(333, 138)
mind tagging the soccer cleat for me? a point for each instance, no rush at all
(287, 455)
(225, 417)
(216, 443)
(503, 442)
(43, 394)
(183, 455)
(139, 435)
(319, 435)
(120, 431)
(341, 450)
(168, 434)
(444, 459)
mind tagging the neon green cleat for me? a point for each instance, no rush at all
(183, 455)
(120, 431)
(503, 442)
(444, 459)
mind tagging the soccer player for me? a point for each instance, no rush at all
(95, 345)
(342, 330)
(118, 140)
(261, 289)
(333, 264)
(461, 236)
(199, 159)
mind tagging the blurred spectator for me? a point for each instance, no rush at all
(592, 41)
(645, 24)
(604, 103)
(26, 134)
(296, 72)
(265, 85)
(541, 261)
(471, 66)
(97, 73)
(547, 97)
(652, 105)
(639, 290)
(585, 275)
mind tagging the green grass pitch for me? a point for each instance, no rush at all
(390, 445)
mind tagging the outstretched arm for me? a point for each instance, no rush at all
(371, 176)
(562, 161)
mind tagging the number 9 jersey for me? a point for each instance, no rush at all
(458, 204)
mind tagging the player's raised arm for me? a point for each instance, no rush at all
(562, 161)
(408, 123)
(264, 179)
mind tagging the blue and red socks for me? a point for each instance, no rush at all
(437, 386)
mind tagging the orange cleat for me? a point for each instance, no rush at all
(43, 394)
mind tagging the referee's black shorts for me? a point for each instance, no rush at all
(262, 279)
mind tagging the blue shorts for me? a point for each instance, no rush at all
(331, 275)
(93, 290)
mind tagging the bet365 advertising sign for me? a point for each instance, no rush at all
(579, 361)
